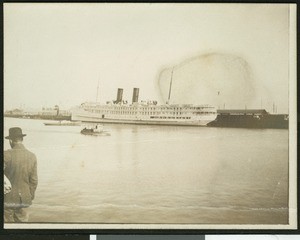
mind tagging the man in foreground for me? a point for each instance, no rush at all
(20, 167)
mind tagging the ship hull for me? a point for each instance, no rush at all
(58, 124)
(265, 121)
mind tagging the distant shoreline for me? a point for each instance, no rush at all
(41, 117)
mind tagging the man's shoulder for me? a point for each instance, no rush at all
(9, 152)
(31, 154)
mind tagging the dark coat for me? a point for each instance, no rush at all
(20, 167)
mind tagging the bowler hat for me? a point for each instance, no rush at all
(15, 132)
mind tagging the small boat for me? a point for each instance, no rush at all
(63, 123)
(95, 131)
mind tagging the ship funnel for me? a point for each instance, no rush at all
(119, 95)
(135, 95)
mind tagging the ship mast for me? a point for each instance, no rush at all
(170, 86)
(97, 92)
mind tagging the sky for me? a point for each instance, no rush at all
(58, 53)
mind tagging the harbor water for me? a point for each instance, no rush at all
(158, 174)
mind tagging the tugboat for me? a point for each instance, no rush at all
(97, 130)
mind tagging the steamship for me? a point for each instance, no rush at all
(144, 112)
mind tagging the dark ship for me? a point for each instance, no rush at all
(249, 118)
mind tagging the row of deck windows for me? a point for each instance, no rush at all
(170, 117)
(146, 113)
(147, 108)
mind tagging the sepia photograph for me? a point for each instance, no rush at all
(149, 116)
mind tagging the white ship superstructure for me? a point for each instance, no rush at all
(144, 112)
